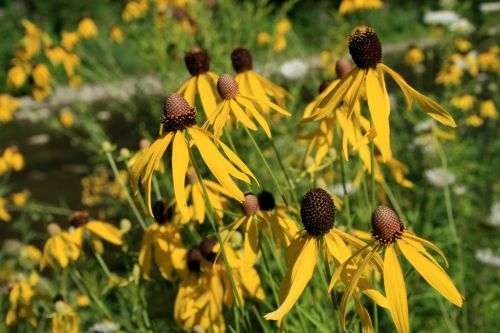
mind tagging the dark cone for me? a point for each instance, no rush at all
(241, 59)
(227, 86)
(386, 226)
(177, 114)
(194, 258)
(324, 84)
(162, 212)
(343, 67)
(206, 247)
(365, 48)
(197, 61)
(78, 218)
(250, 205)
(317, 212)
(266, 201)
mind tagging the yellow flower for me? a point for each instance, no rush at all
(349, 6)
(239, 107)
(487, 109)
(75, 81)
(82, 301)
(116, 34)
(64, 319)
(4, 214)
(179, 121)
(19, 198)
(284, 25)
(41, 75)
(263, 39)
(30, 253)
(251, 83)
(95, 230)
(202, 82)
(13, 158)
(134, 10)
(317, 212)
(21, 300)
(474, 121)
(389, 235)
(16, 76)
(462, 45)
(61, 248)
(70, 62)
(464, 102)
(69, 40)
(8, 106)
(450, 74)
(55, 54)
(414, 56)
(40, 93)
(66, 119)
(280, 43)
(163, 240)
(87, 28)
(368, 74)
(489, 60)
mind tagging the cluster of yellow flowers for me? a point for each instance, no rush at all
(278, 39)
(349, 6)
(98, 187)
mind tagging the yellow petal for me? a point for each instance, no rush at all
(106, 231)
(379, 113)
(206, 94)
(180, 162)
(395, 290)
(432, 273)
(428, 244)
(251, 244)
(241, 116)
(256, 114)
(299, 275)
(190, 92)
(273, 106)
(429, 106)
(366, 321)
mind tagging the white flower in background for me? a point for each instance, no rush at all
(104, 327)
(424, 126)
(444, 17)
(460, 190)
(488, 7)
(494, 218)
(463, 25)
(487, 257)
(439, 178)
(338, 189)
(294, 69)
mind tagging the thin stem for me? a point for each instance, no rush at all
(394, 202)
(285, 172)
(125, 189)
(346, 195)
(103, 265)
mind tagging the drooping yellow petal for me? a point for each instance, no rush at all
(395, 290)
(429, 106)
(426, 243)
(206, 94)
(299, 274)
(256, 114)
(180, 163)
(251, 244)
(241, 116)
(198, 202)
(258, 101)
(366, 321)
(145, 254)
(379, 113)
(190, 92)
(432, 273)
(106, 231)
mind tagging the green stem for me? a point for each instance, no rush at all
(394, 202)
(346, 196)
(103, 265)
(285, 172)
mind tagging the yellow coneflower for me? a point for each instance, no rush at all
(61, 248)
(16, 76)
(253, 84)
(8, 106)
(82, 301)
(317, 212)
(263, 39)
(87, 28)
(489, 60)
(64, 319)
(41, 75)
(450, 75)
(70, 62)
(179, 120)
(69, 39)
(21, 300)
(283, 26)
(368, 73)
(163, 241)
(235, 104)
(4, 214)
(202, 82)
(390, 234)
(41, 92)
(13, 158)
(96, 231)
(414, 56)
(349, 6)
(463, 102)
(55, 54)
(462, 45)
(474, 121)
(487, 109)
(19, 198)
(66, 119)
(116, 34)
(134, 10)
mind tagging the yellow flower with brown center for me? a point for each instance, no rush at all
(61, 248)
(463, 102)
(390, 235)
(253, 84)
(368, 74)
(414, 56)
(317, 212)
(87, 28)
(16, 76)
(239, 107)
(202, 82)
(116, 34)
(179, 121)
(487, 109)
(8, 106)
(163, 241)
